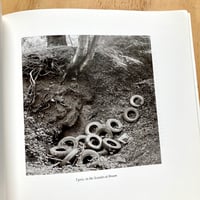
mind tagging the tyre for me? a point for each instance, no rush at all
(93, 142)
(92, 127)
(60, 151)
(131, 114)
(68, 141)
(88, 156)
(81, 139)
(68, 158)
(114, 125)
(110, 144)
(136, 100)
(104, 132)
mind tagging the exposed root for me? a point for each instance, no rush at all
(32, 88)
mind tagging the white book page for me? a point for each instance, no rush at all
(2, 180)
(178, 175)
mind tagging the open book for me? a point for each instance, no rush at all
(98, 104)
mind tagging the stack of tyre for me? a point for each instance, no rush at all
(98, 140)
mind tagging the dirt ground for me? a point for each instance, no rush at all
(101, 91)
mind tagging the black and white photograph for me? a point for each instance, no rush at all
(89, 103)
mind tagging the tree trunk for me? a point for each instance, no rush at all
(84, 52)
(81, 51)
(56, 40)
(90, 52)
